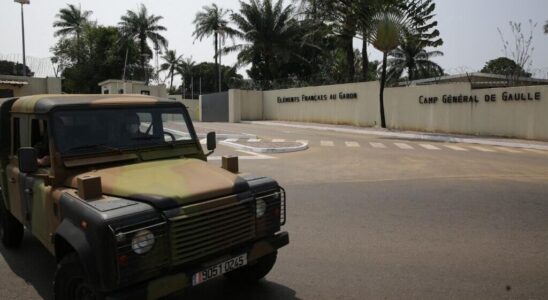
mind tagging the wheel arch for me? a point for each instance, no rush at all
(71, 239)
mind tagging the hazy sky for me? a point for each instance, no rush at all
(468, 27)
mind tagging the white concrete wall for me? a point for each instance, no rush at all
(35, 86)
(251, 105)
(362, 111)
(235, 105)
(518, 119)
(192, 105)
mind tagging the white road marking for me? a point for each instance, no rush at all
(377, 145)
(250, 156)
(352, 144)
(481, 149)
(403, 146)
(278, 140)
(302, 141)
(510, 150)
(254, 140)
(231, 140)
(535, 151)
(327, 143)
(456, 148)
(429, 147)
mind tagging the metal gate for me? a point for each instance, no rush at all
(215, 107)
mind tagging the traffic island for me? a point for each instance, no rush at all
(266, 146)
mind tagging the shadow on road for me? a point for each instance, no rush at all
(223, 289)
(33, 263)
(36, 266)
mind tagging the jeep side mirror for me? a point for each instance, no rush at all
(211, 141)
(27, 160)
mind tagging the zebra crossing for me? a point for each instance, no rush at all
(401, 146)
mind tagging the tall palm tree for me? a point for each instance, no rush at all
(270, 36)
(212, 20)
(71, 21)
(172, 61)
(185, 69)
(385, 35)
(410, 56)
(142, 27)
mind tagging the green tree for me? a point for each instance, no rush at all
(186, 70)
(364, 11)
(212, 20)
(504, 66)
(142, 27)
(205, 74)
(102, 58)
(385, 36)
(272, 40)
(71, 21)
(172, 61)
(12, 68)
(410, 56)
(424, 32)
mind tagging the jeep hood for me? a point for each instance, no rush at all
(167, 183)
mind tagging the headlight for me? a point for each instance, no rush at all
(143, 241)
(260, 208)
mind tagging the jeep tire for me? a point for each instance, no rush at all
(11, 230)
(71, 281)
(254, 271)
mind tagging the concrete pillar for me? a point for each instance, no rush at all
(234, 106)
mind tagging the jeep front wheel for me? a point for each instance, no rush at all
(254, 271)
(11, 230)
(71, 281)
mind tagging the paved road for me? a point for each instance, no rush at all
(414, 220)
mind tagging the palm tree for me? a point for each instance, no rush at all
(212, 21)
(171, 64)
(410, 56)
(142, 27)
(271, 37)
(385, 35)
(185, 69)
(71, 21)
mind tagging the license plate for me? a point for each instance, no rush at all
(219, 269)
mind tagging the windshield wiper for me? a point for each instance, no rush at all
(96, 146)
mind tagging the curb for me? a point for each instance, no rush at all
(224, 136)
(411, 136)
(302, 147)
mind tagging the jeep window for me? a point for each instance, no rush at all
(40, 141)
(107, 130)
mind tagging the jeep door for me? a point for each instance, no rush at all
(33, 205)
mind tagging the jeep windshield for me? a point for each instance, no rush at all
(114, 130)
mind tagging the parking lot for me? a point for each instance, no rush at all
(372, 217)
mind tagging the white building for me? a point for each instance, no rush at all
(17, 86)
(113, 86)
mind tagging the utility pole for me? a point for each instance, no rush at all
(22, 2)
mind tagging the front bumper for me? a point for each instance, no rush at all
(169, 284)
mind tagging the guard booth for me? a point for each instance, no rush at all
(214, 107)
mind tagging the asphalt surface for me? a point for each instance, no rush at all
(422, 221)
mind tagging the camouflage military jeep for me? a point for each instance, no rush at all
(117, 188)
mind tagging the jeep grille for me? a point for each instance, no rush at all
(211, 230)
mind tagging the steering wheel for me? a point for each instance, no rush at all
(171, 135)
